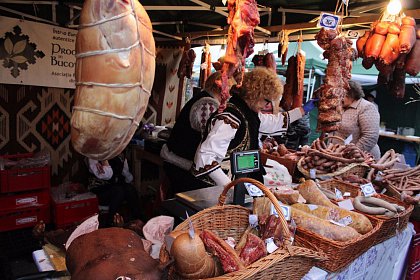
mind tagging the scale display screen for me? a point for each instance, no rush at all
(245, 162)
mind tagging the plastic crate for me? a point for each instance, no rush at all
(24, 217)
(13, 201)
(24, 179)
(68, 211)
(413, 265)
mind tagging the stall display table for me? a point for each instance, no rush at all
(385, 260)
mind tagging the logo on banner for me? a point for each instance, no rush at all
(17, 52)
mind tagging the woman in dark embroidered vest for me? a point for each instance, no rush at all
(112, 184)
(238, 127)
(185, 137)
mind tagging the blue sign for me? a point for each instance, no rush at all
(328, 21)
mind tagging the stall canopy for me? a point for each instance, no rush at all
(201, 20)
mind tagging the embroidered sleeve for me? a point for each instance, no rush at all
(213, 149)
(201, 111)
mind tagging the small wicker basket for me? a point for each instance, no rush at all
(291, 262)
(390, 226)
(342, 186)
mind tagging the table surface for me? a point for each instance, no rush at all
(413, 139)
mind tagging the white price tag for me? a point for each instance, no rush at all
(312, 207)
(368, 189)
(312, 173)
(346, 204)
(346, 194)
(285, 209)
(328, 21)
(271, 247)
(224, 2)
(352, 34)
(338, 194)
(348, 139)
(337, 223)
(253, 190)
(346, 220)
(253, 220)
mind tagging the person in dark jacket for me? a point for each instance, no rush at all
(186, 134)
(112, 183)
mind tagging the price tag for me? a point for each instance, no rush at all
(224, 2)
(352, 34)
(368, 189)
(348, 139)
(346, 204)
(312, 207)
(271, 247)
(328, 21)
(253, 190)
(346, 194)
(285, 209)
(253, 220)
(312, 173)
(337, 223)
(338, 194)
(346, 220)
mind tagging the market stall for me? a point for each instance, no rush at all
(332, 208)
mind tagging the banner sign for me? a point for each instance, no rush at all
(36, 54)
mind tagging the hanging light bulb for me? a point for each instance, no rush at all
(394, 7)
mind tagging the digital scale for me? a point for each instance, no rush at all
(243, 163)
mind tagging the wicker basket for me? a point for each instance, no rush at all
(291, 262)
(359, 169)
(390, 226)
(340, 254)
(290, 164)
(342, 186)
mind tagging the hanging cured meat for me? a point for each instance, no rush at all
(243, 18)
(205, 66)
(186, 64)
(115, 67)
(392, 48)
(340, 55)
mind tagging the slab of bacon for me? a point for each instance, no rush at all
(243, 18)
(340, 55)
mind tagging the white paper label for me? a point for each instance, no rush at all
(346, 204)
(312, 173)
(224, 2)
(253, 190)
(285, 209)
(253, 220)
(328, 21)
(338, 194)
(27, 220)
(336, 223)
(27, 200)
(312, 207)
(352, 34)
(346, 220)
(346, 194)
(348, 139)
(368, 189)
(271, 247)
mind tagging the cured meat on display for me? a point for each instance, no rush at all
(243, 18)
(392, 48)
(205, 66)
(340, 55)
(115, 68)
(187, 62)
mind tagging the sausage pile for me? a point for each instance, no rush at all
(340, 55)
(385, 162)
(327, 159)
(243, 18)
(403, 180)
(392, 47)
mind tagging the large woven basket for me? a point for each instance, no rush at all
(340, 254)
(390, 226)
(291, 262)
(359, 169)
(342, 186)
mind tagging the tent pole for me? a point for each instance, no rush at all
(313, 85)
(308, 91)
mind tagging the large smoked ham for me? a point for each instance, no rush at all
(115, 67)
(243, 18)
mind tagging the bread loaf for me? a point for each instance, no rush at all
(115, 67)
(323, 227)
